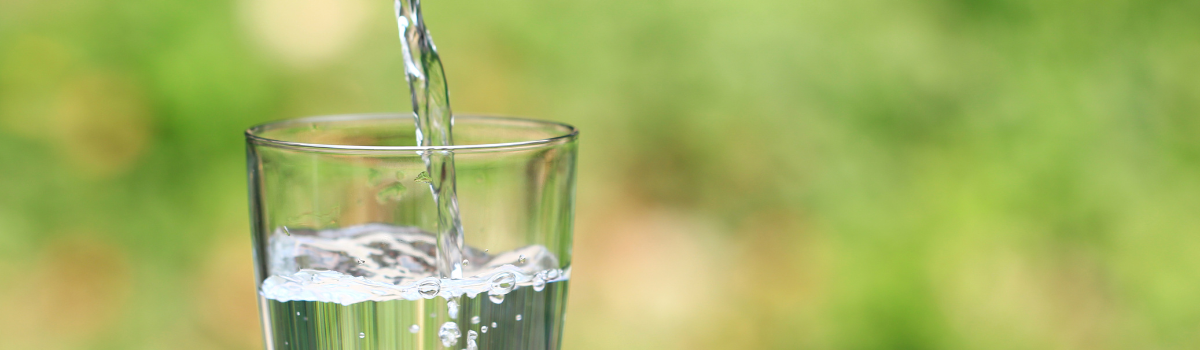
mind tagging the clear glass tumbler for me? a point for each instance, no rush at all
(342, 216)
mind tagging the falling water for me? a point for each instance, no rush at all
(431, 109)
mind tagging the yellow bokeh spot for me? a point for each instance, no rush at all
(101, 123)
(304, 33)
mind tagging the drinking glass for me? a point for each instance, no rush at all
(344, 222)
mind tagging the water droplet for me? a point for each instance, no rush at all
(496, 298)
(452, 308)
(494, 325)
(483, 329)
(539, 282)
(521, 259)
(297, 313)
(474, 319)
(414, 329)
(502, 283)
(361, 261)
(552, 274)
(362, 335)
(449, 334)
(471, 335)
(465, 262)
(518, 317)
(429, 287)
(485, 250)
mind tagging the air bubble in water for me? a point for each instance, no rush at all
(552, 274)
(297, 313)
(521, 259)
(483, 329)
(465, 262)
(502, 283)
(429, 287)
(362, 335)
(539, 283)
(474, 319)
(494, 325)
(496, 298)
(414, 328)
(452, 308)
(449, 334)
(471, 335)
(518, 317)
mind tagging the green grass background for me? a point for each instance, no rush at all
(760, 174)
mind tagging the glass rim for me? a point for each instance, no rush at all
(253, 134)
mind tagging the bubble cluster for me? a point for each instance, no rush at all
(376, 262)
(449, 334)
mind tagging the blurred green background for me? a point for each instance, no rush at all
(763, 174)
